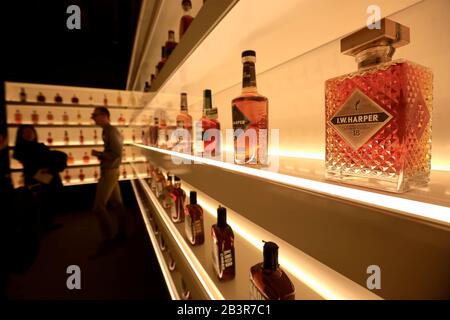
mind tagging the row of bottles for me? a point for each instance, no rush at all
(66, 138)
(23, 97)
(267, 280)
(50, 119)
(171, 44)
(70, 175)
(378, 119)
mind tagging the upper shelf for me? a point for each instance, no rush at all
(66, 105)
(431, 203)
(70, 125)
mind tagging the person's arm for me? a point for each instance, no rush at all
(113, 148)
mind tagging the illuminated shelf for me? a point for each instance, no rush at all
(81, 164)
(77, 182)
(65, 105)
(312, 279)
(70, 126)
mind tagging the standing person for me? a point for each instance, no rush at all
(108, 189)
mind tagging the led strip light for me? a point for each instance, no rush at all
(417, 209)
(165, 270)
(208, 284)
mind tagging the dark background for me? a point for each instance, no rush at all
(37, 47)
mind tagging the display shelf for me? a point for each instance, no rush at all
(311, 279)
(66, 105)
(81, 164)
(431, 203)
(346, 228)
(77, 182)
(71, 126)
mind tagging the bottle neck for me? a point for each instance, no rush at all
(374, 55)
(249, 76)
(187, 9)
(183, 104)
(171, 37)
(207, 104)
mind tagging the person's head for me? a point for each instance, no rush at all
(101, 116)
(26, 133)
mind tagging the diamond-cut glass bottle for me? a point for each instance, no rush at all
(378, 119)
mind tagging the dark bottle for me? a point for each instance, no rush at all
(75, 99)
(224, 260)
(152, 79)
(170, 43)
(147, 87)
(193, 224)
(178, 197)
(40, 97)
(186, 19)
(166, 203)
(154, 133)
(267, 280)
(58, 98)
(23, 95)
(208, 128)
(161, 63)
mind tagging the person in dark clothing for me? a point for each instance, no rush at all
(37, 162)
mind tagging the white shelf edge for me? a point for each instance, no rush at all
(159, 255)
(411, 208)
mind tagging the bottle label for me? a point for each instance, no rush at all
(188, 227)
(249, 75)
(240, 121)
(359, 119)
(255, 293)
(216, 260)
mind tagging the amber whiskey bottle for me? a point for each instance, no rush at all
(267, 280)
(163, 60)
(186, 19)
(23, 95)
(193, 224)
(224, 260)
(166, 203)
(250, 118)
(178, 198)
(378, 119)
(170, 43)
(184, 124)
(40, 97)
(58, 98)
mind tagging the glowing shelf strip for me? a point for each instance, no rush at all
(165, 270)
(208, 284)
(432, 212)
(323, 280)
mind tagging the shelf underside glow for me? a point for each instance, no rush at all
(430, 204)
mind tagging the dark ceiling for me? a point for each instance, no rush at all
(39, 48)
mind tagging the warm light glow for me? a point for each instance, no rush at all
(324, 281)
(165, 270)
(436, 213)
(211, 289)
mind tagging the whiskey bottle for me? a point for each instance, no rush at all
(75, 100)
(267, 280)
(121, 120)
(208, 129)
(193, 225)
(81, 137)
(124, 172)
(160, 182)
(91, 100)
(81, 175)
(147, 87)
(166, 203)
(95, 174)
(224, 260)
(22, 95)
(186, 19)
(95, 137)
(378, 119)
(40, 97)
(133, 136)
(49, 139)
(67, 176)
(86, 158)
(34, 117)
(79, 119)
(162, 134)
(250, 118)
(184, 126)
(152, 79)
(70, 159)
(163, 60)
(65, 118)
(119, 99)
(154, 133)
(18, 117)
(49, 117)
(170, 43)
(58, 98)
(66, 137)
(105, 101)
(178, 197)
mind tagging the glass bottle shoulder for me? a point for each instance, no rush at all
(250, 96)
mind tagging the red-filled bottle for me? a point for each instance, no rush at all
(124, 172)
(105, 101)
(50, 117)
(49, 139)
(95, 137)
(193, 225)
(178, 197)
(86, 158)
(75, 99)
(184, 127)
(79, 119)
(95, 174)
(67, 176)
(166, 203)
(186, 19)
(34, 117)
(121, 120)
(170, 43)
(81, 175)
(133, 136)
(81, 137)
(58, 98)
(65, 118)
(224, 260)
(70, 159)
(66, 137)
(18, 117)
(154, 133)
(163, 60)
(40, 97)
(267, 280)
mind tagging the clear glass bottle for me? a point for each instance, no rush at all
(267, 280)
(186, 19)
(193, 225)
(170, 43)
(378, 119)
(250, 118)
(224, 260)
(184, 122)
(208, 141)
(178, 197)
